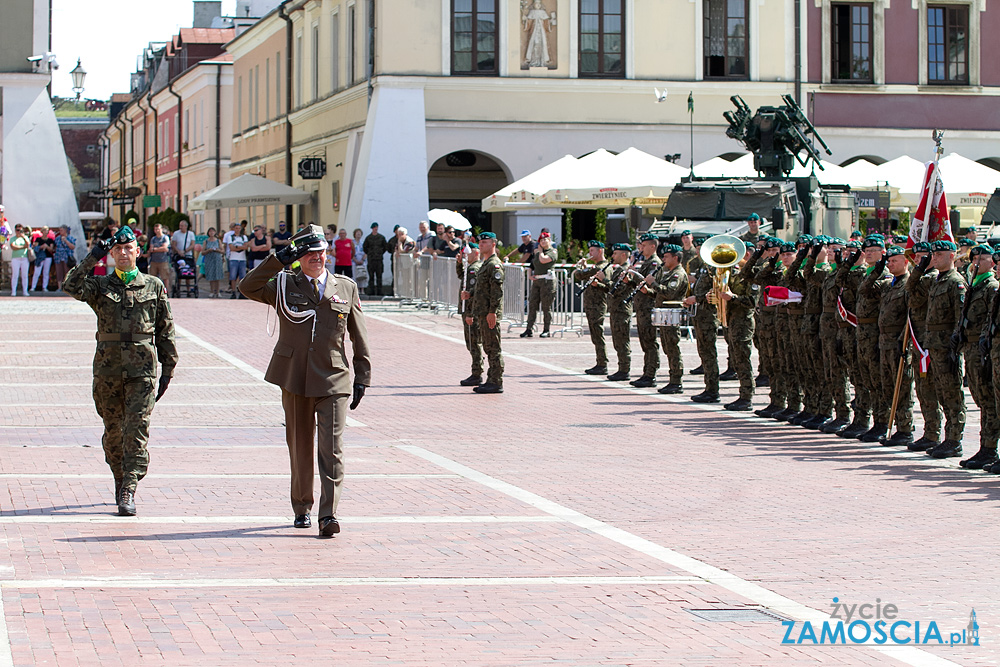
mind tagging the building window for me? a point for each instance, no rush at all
(315, 61)
(948, 44)
(277, 83)
(298, 70)
(851, 42)
(334, 51)
(256, 96)
(602, 38)
(726, 39)
(352, 44)
(239, 104)
(474, 37)
(267, 90)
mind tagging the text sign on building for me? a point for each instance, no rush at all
(312, 167)
(872, 198)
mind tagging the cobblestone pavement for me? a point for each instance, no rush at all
(569, 520)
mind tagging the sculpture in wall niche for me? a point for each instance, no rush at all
(538, 37)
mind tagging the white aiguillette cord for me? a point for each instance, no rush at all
(282, 308)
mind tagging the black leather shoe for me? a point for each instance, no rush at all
(472, 381)
(739, 405)
(126, 503)
(526, 333)
(697, 371)
(875, 433)
(597, 370)
(898, 439)
(489, 388)
(729, 374)
(981, 460)
(762, 380)
(618, 377)
(816, 422)
(786, 414)
(545, 334)
(644, 381)
(946, 450)
(835, 426)
(856, 429)
(328, 526)
(768, 411)
(302, 521)
(922, 445)
(705, 397)
(672, 388)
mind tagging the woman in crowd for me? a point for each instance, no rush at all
(344, 253)
(44, 246)
(64, 259)
(359, 268)
(19, 260)
(212, 252)
(260, 246)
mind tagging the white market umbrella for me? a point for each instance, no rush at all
(862, 174)
(907, 174)
(967, 182)
(248, 190)
(525, 190)
(605, 180)
(447, 217)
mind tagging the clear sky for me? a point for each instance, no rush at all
(109, 35)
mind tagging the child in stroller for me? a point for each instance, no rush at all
(186, 271)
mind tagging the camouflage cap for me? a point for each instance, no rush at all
(648, 237)
(893, 250)
(124, 235)
(622, 246)
(487, 235)
(943, 246)
(673, 249)
(595, 244)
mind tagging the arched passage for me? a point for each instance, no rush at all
(462, 179)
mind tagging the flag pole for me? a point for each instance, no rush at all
(691, 126)
(899, 383)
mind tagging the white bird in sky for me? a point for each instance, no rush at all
(661, 95)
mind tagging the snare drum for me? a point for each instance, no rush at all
(667, 317)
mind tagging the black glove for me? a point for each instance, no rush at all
(359, 393)
(957, 340)
(101, 248)
(801, 254)
(900, 346)
(758, 252)
(838, 257)
(925, 261)
(853, 259)
(291, 254)
(880, 267)
(814, 250)
(164, 381)
(984, 346)
(771, 263)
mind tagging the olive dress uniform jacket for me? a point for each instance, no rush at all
(306, 365)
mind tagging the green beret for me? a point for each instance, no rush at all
(921, 246)
(487, 235)
(771, 242)
(648, 237)
(893, 250)
(943, 246)
(804, 238)
(622, 246)
(856, 234)
(673, 249)
(852, 244)
(981, 249)
(836, 240)
(374, 225)
(966, 243)
(873, 241)
(787, 247)
(474, 245)
(595, 244)
(753, 216)
(699, 240)
(686, 232)
(124, 235)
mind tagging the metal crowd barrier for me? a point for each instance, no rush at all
(404, 276)
(515, 294)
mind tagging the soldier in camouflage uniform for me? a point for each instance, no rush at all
(753, 234)
(893, 340)
(620, 311)
(543, 285)
(868, 335)
(595, 304)
(671, 288)
(467, 269)
(688, 252)
(987, 456)
(980, 296)
(945, 302)
(135, 331)
(706, 331)
(787, 324)
(850, 273)
(917, 288)
(766, 332)
(818, 403)
(649, 267)
(741, 304)
(487, 310)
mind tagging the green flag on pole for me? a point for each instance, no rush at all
(691, 102)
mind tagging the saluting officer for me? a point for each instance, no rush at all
(867, 305)
(671, 288)
(135, 331)
(595, 303)
(620, 311)
(892, 341)
(850, 273)
(741, 303)
(753, 271)
(487, 310)
(648, 267)
(467, 269)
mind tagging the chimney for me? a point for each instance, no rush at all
(205, 11)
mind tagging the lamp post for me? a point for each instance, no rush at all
(79, 75)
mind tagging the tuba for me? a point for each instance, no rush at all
(723, 252)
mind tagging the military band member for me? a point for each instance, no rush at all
(648, 267)
(135, 331)
(487, 310)
(917, 288)
(467, 269)
(706, 331)
(620, 312)
(688, 252)
(869, 298)
(893, 340)
(945, 300)
(595, 303)
(671, 288)
(543, 285)
(741, 303)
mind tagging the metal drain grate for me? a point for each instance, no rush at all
(736, 615)
(600, 425)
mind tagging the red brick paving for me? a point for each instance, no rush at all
(807, 516)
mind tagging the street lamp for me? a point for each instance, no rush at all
(78, 74)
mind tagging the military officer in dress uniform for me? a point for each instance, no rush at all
(467, 266)
(595, 303)
(671, 288)
(487, 310)
(135, 331)
(316, 310)
(619, 310)
(649, 267)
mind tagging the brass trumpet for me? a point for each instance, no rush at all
(723, 252)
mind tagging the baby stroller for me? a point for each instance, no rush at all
(186, 272)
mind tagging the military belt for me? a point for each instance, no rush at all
(830, 311)
(123, 337)
(893, 331)
(793, 311)
(843, 325)
(940, 327)
(867, 320)
(769, 309)
(814, 311)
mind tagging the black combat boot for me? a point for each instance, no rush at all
(768, 411)
(816, 422)
(786, 414)
(526, 333)
(597, 370)
(729, 374)
(835, 426)
(472, 381)
(706, 397)
(739, 405)
(762, 380)
(644, 381)
(898, 439)
(923, 444)
(697, 371)
(619, 376)
(858, 426)
(993, 468)
(800, 418)
(672, 388)
(545, 334)
(946, 450)
(876, 433)
(981, 460)
(489, 388)
(126, 502)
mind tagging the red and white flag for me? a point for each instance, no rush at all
(775, 295)
(925, 356)
(930, 221)
(845, 314)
